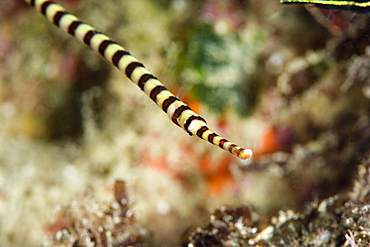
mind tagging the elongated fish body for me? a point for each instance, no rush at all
(177, 111)
(358, 5)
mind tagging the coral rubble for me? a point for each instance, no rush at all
(89, 223)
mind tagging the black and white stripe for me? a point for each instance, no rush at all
(357, 5)
(177, 111)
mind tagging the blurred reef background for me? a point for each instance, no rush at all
(86, 159)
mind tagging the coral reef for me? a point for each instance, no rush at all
(291, 84)
(88, 223)
(228, 226)
(339, 220)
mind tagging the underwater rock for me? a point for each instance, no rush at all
(340, 220)
(86, 222)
